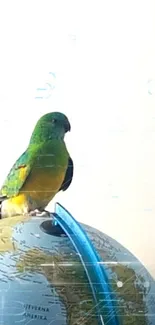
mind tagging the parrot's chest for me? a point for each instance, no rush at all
(45, 185)
(47, 175)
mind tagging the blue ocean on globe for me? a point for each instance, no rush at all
(43, 280)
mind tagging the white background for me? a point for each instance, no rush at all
(103, 56)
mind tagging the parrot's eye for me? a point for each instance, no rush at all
(54, 120)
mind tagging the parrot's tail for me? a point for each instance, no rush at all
(2, 198)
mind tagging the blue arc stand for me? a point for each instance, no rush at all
(97, 277)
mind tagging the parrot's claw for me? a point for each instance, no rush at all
(38, 213)
(47, 214)
(34, 213)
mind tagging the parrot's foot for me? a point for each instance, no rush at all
(38, 213)
(34, 213)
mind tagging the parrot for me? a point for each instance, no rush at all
(44, 169)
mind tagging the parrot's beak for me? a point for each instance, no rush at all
(67, 127)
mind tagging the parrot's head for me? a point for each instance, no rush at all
(50, 126)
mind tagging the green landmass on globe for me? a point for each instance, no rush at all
(72, 286)
(70, 283)
(6, 230)
(130, 296)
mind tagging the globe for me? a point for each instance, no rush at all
(43, 280)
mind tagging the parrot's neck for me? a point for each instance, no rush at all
(56, 134)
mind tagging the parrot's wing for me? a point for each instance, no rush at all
(17, 176)
(68, 176)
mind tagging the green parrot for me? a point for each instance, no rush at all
(44, 169)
